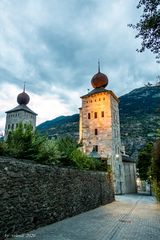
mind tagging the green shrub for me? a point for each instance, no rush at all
(82, 161)
(102, 165)
(155, 170)
(144, 161)
(66, 145)
(156, 189)
(23, 142)
(2, 148)
(49, 153)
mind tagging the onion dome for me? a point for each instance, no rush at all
(99, 79)
(23, 98)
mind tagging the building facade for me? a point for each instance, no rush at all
(20, 114)
(100, 127)
(129, 174)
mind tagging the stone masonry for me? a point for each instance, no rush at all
(33, 195)
(100, 131)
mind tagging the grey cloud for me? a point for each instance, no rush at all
(7, 76)
(61, 41)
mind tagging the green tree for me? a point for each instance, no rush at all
(66, 145)
(23, 142)
(148, 26)
(144, 161)
(2, 148)
(155, 170)
(71, 155)
(49, 153)
(82, 161)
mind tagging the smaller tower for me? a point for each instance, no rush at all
(20, 114)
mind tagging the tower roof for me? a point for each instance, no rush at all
(100, 90)
(21, 107)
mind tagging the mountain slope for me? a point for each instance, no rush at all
(139, 118)
(61, 126)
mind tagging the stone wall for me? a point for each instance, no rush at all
(33, 195)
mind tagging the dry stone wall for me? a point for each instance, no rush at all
(33, 195)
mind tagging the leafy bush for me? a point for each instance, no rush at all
(23, 142)
(71, 155)
(155, 170)
(102, 165)
(144, 161)
(49, 153)
(156, 189)
(82, 161)
(2, 148)
(66, 145)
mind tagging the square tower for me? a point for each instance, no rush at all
(100, 130)
(20, 114)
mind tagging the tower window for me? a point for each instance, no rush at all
(95, 148)
(8, 126)
(12, 126)
(102, 113)
(96, 131)
(119, 170)
(89, 116)
(95, 115)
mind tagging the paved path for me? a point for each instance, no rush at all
(130, 217)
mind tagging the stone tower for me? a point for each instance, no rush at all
(20, 114)
(100, 127)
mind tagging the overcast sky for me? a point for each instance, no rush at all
(54, 46)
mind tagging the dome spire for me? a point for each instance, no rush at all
(99, 66)
(24, 86)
